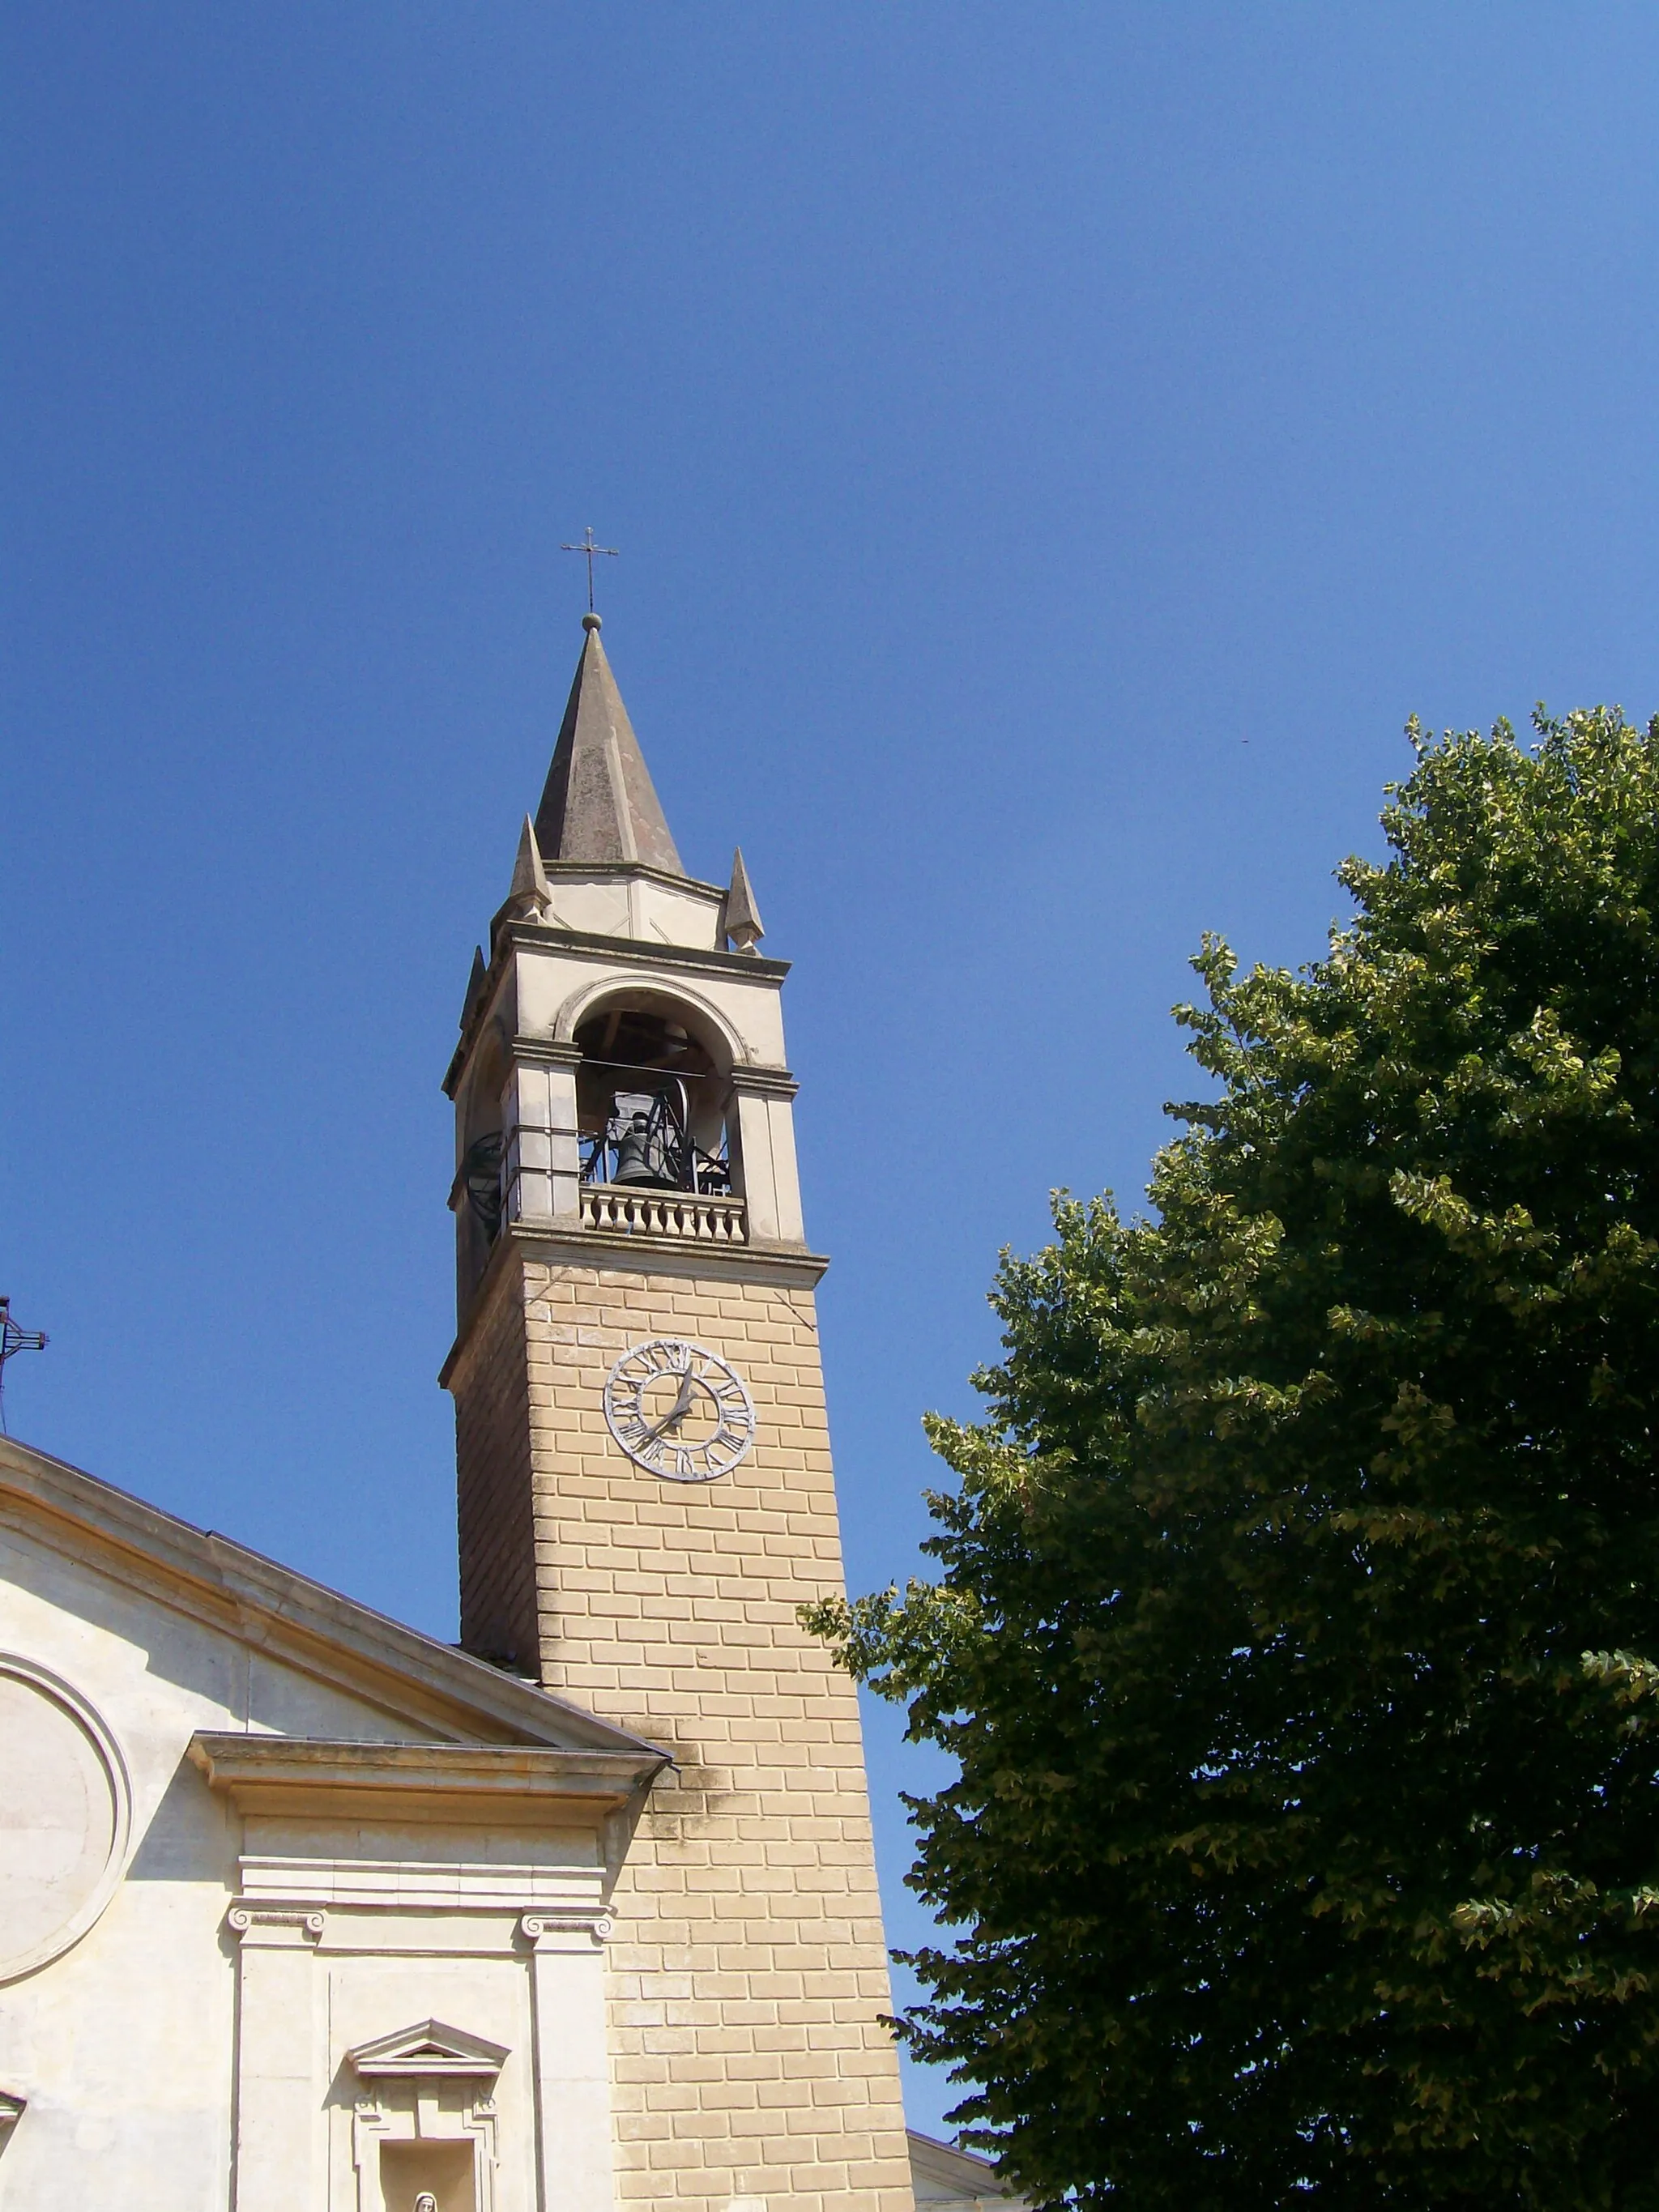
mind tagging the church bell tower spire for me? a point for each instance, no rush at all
(599, 803)
(645, 1490)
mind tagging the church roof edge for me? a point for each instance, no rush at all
(504, 1776)
(315, 1630)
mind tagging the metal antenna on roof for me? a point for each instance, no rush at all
(588, 547)
(13, 1340)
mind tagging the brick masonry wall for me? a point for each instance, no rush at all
(493, 1494)
(748, 1969)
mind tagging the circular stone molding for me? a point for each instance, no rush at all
(678, 1411)
(65, 1816)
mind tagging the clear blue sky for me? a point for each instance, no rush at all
(1053, 449)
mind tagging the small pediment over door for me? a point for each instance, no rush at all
(429, 2049)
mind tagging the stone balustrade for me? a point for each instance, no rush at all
(632, 1210)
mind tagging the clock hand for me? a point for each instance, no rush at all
(678, 1412)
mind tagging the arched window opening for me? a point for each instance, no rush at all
(480, 1172)
(478, 1182)
(651, 1104)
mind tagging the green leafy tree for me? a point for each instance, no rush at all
(1297, 1595)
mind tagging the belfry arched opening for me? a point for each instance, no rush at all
(651, 1103)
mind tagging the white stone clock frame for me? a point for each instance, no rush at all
(619, 1429)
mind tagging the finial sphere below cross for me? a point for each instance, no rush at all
(588, 547)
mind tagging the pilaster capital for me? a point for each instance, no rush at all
(275, 1927)
(763, 1083)
(566, 1931)
(546, 1052)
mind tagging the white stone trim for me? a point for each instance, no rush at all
(589, 997)
(574, 2157)
(281, 2124)
(401, 2073)
(429, 2050)
(288, 1619)
(275, 1930)
(104, 1743)
(373, 2123)
(421, 1885)
(567, 1931)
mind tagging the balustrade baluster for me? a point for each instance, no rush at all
(693, 1215)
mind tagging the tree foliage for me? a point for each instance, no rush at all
(1299, 1594)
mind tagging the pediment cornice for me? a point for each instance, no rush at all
(410, 1678)
(428, 2050)
(497, 1785)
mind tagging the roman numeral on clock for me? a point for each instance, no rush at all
(651, 1431)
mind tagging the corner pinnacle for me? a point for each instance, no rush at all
(528, 895)
(740, 915)
(475, 985)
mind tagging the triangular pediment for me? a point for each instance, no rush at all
(945, 2178)
(398, 1674)
(429, 2049)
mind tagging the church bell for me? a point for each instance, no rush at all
(634, 1161)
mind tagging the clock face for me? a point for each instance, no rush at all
(678, 1411)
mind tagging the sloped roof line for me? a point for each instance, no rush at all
(318, 1632)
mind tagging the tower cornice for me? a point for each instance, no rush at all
(637, 952)
(784, 1266)
(620, 951)
(618, 872)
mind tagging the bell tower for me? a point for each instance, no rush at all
(645, 1492)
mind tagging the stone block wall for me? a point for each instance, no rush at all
(495, 1520)
(748, 1970)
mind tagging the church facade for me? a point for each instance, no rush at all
(301, 1908)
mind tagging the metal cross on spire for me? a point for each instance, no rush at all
(13, 1340)
(588, 547)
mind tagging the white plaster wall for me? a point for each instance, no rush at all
(125, 2047)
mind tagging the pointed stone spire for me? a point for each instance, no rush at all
(739, 917)
(475, 985)
(599, 804)
(528, 896)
